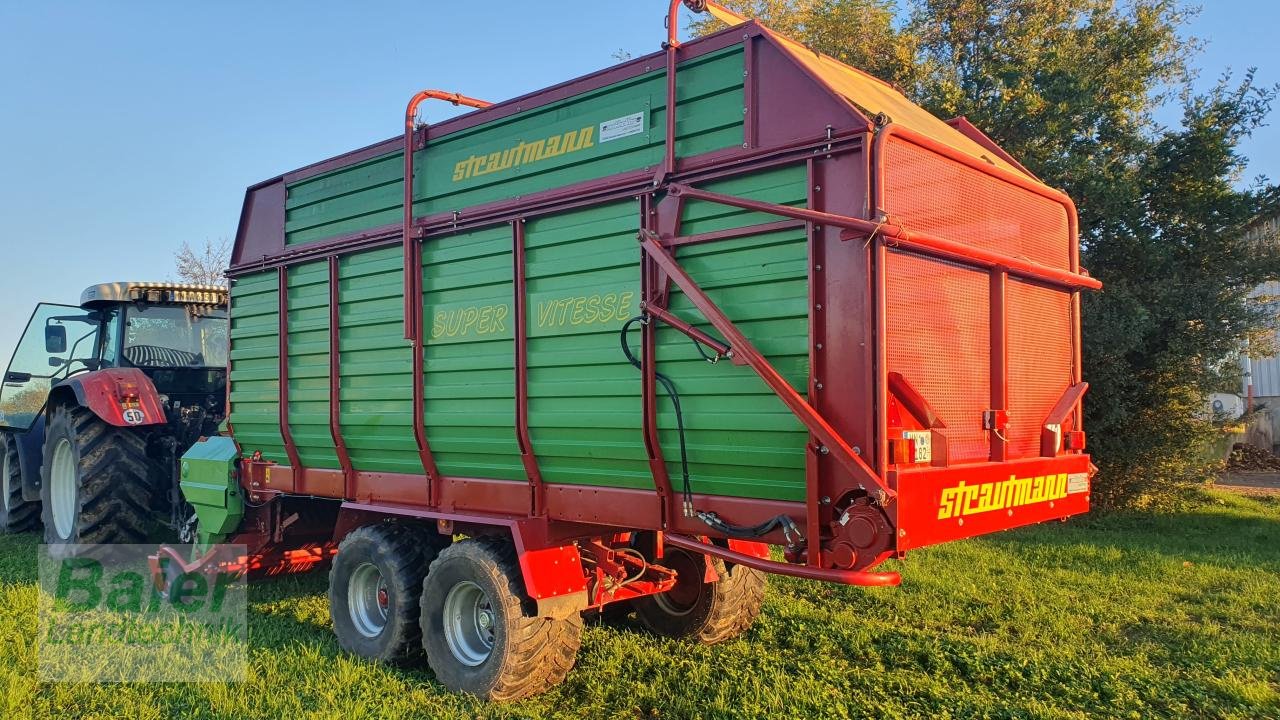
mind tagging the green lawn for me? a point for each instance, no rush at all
(1130, 616)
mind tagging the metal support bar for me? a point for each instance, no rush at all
(897, 236)
(733, 233)
(817, 365)
(413, 276)
(649, 292)
(419, 390)
(914, 402)
(1066, 404)
(843, 577)
(692, 332)
(282, 332)
(335, 385)
(537, 489)
(831, 440)
(999, 330)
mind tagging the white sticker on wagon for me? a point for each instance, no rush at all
(1077, 483)
(619, 128)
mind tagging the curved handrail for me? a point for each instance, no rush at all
(413, 273)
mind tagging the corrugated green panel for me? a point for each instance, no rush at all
(376, 363)
(255, 365)
(470, 354)
(584, 398)
(742, 440)
(608, 131)
(309, 365)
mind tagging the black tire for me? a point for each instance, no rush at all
(16, 515)
(385, 628)
(707, 613)
(111, 493)
(528, 655)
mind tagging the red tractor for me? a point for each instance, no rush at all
(98, 403)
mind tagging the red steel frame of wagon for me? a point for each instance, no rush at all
(902, 504)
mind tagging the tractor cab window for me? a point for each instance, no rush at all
(175, 336)
(60, 341)
(109, 341)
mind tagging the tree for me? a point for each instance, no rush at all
(1071, 88)
(205, 266)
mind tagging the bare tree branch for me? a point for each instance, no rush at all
(206, 265)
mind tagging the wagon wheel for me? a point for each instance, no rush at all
(709, 613)
(477, 632)
(373, 590)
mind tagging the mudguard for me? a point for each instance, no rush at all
(124, 397)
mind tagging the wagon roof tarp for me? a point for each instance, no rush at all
(870, 95)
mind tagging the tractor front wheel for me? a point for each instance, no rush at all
(16, 515)
(94, 487)
(707, 612)
(479, 634)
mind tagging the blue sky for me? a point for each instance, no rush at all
(128, 127)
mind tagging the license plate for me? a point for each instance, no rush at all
(923, 440)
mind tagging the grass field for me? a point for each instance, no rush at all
(1132, 616)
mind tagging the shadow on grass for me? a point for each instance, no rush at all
(1221, 536)
(282, 631)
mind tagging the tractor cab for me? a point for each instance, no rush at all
(174, 334)
(146, 358)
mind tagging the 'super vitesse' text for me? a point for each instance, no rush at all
(545, 314)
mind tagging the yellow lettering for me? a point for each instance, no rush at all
(624, 305)
(545, 312)
(965, 499)
(532, 152)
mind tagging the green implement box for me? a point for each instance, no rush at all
(209, 483)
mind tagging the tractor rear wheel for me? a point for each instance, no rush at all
(480, 636)
(708, 613)
(374, 585)
(94, 487)
(16, 515)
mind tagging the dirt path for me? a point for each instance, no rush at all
(1260, 482)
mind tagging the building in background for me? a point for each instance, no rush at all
(1260, 387)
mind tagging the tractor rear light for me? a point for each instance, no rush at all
(1073, 440)
(127, 392)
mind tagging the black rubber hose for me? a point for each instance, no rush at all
(670, 387)
(712, 520)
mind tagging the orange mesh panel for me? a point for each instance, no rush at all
(1040, 358)
(930, 193)
(938, 329)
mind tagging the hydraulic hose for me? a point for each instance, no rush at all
(788, 526)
